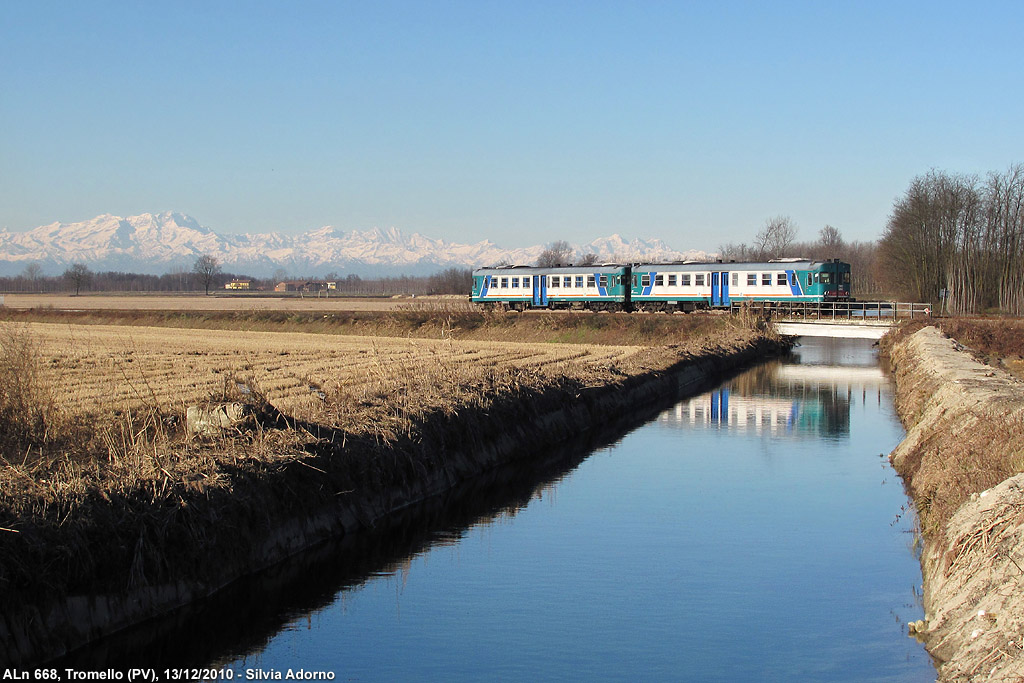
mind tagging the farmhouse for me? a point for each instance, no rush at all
(305, 286)
(238, 284)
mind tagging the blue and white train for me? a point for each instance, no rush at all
(662, 286)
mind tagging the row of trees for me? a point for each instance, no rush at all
(778, 239)
(206, 275)
(962, 236)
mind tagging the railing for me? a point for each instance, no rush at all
(864, 312)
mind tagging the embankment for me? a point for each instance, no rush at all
(140, 560)
(961, 460)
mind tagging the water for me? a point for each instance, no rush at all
(752, 533)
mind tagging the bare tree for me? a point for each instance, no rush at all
(830, 241)
(734, 252)
(775, 238)
(79, 275)
(557, 253)
(589, 259)
(206, 268)
(32, 273)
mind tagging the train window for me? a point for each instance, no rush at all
(604, 280)
(645, 280)
(504, 283)
(792, 279)
(735, 279)
(567, 281)
(579, 280)
(751, 279)
(634, 280)
(591, 281)
(671, 280)
(555, 281)
(698, 279)
(846, 277)
(780, 279)
(766, 279)
(684, 279)
(659, 280)
(810, 279)
(826, 278)
(515, 283)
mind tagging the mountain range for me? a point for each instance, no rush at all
(169, 241)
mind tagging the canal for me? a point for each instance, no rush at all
(753, 532)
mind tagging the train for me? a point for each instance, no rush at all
(678, 286)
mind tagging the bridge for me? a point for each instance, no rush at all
(849, 320)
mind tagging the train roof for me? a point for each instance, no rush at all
(537, 270)
(775, 264)
(697, 266)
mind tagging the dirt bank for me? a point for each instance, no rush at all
(99, 560)
(961, 460)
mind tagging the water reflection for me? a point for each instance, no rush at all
(644, 557)
(807, 395)
(248, 614)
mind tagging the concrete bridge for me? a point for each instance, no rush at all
(841, 330)
(849, 320)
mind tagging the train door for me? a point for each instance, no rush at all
(716, 296)
(540, 290)
(724, 292)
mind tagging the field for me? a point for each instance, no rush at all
(222, 302)
(102, 369)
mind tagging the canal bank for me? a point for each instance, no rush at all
(279, 510)
(960, 460)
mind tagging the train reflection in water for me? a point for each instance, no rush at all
(785, 399)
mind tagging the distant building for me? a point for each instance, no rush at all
(305, 286)
(238, 284)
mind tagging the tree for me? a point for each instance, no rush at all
(589, 259)
(78, 275)
(206, 268)
(32, 272)
(451, 281)
(830, 241)
(775, 238)
(556, 254)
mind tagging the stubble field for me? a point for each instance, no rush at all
(104, 369)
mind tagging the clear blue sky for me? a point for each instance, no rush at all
(519, 122)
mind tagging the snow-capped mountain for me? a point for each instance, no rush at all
(164, 242)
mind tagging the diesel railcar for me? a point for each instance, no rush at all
(662, 286)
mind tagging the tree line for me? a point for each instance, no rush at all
(959, 239)
(207, 275)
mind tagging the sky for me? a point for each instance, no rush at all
(520, 122)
